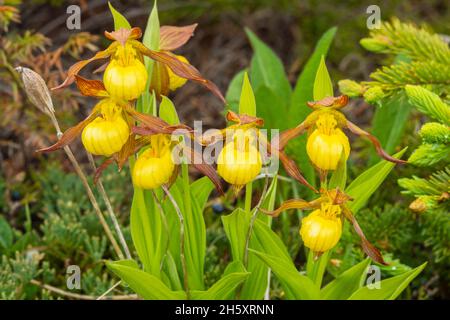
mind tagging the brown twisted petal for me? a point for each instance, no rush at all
(204, 168)
(73, 70)
(294, 204)
(368, 248)
(332, 102)
(178, 67)
(122, 35)
(91, 88)
(172, 37)
(383, 154)
(151, 122)
(290, 134)
(293, 170)
(72, 132)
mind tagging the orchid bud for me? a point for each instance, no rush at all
(351, 88)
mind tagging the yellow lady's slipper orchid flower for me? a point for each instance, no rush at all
(125, 77)
(322, 229)
(239, 162)
(327, 143)
(326, 140)
(107, 133)
(155, 166)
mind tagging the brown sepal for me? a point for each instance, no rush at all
(383, 154)
(330, 102)
(172, 37)
(91, 88)
(244, 119)
(123, 35)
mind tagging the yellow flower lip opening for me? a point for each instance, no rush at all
(155, 166)
(326, 143)
(108, 133)
(125, 76)
(322, 229)
(239, 161)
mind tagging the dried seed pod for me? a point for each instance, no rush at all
(37, 91)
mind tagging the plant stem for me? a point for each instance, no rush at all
(88, 189)
(253, 218)
(248, 197)
(182, 240)
(110, 210)
(315, 269)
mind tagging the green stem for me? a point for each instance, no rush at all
(316, 269)
(186, 187)
(248, 196)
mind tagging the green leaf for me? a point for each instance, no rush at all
(323, 87)
(167, 111)
(389, 123)
(247, 104)
(119, 20)
(223, 288)
(236, 226)
(339, 177)
(201, 189)
(234, 91)
(390, 288)
(362, 188)
(298, 110)
(144, 284)
(346, 283)
(6, 234)
(303, 91)
(147, 231)
(275, 115)
(267, 69)
(297, 286)
(195, 234)
(170, 268)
